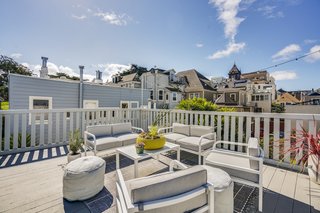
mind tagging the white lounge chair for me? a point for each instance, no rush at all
(180, 191)
(245, 168)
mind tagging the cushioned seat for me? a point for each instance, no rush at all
(173, 137)
(223, 189)
(234, 160)
(104, 143)
(127, 138)
(192, 143)
(83, 178)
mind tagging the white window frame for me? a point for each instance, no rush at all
(160, 90)
(176, 96)
(96, 102)
(151, 92)
(31, 99)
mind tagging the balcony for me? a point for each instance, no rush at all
(33, 155)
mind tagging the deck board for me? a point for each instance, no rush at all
(37, 187)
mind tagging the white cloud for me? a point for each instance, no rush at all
(286, 52)
(199, 45)
(284, 75)
(16, 55)
(310, 41)
(110, 69)
(82, 17)
(230, 49)
(228, 11)
(316, 54)
(270, 12)
(113, 18)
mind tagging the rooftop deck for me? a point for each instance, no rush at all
(32, 182)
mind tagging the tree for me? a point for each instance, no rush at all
(61, 74)
(8, 65)
(134, 69)
(201, 104)
(277, 108)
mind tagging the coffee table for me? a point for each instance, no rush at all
(130, 152)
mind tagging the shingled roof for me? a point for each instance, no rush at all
(195, 81)
(234, 70)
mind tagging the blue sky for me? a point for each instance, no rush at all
(206, 35)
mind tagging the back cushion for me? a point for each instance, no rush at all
(100, 130)
(181, 129)
(254, 151)
(121, 128)
(198, 131)
(167, 185)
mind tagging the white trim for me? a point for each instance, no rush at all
(96, 102)
(31, 99)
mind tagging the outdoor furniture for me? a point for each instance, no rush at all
(83, 178)
(130, 152)
(110, 136)
(181, 191)
(244, 168)
(191, 138)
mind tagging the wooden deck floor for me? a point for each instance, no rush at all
(37, 187)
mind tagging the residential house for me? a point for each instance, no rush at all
(166, 89)
(130, 81)
(197, 85)
(287, 99)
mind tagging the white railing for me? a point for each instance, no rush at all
(23, 130)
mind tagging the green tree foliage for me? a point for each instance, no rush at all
(134, 69)
(201, 104)
(8, 65)
(61, 74)
(277, 108)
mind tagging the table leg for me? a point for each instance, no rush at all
(157, 157)
(117, 160)
(135, 168)
(178, 154)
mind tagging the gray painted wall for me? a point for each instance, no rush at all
(65, 94)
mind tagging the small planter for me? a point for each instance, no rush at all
(139, 150)
(72, 157)
(152, 144)
(314, 168)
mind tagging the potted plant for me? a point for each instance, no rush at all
(307, 145)
(151, 139)
(139, 147)
(75, 143)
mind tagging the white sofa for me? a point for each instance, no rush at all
(181, 191)
(191, 138)
(110, 136)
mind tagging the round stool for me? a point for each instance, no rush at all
(83, 178)
(223, 189)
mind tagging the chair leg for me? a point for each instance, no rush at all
(199, 159)
(260, 198)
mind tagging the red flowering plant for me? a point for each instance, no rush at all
(306, 145)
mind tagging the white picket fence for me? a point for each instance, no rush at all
(23, 130)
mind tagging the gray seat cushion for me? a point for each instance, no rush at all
(104, 143)
(173, 137)
(192, 143)
(127, 138)
(198, 131)
(218, 178)
(121, 128)
(235, 161)
(166, 185)
(181, 129)
(100, 130)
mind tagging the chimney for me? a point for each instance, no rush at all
(98, 77)
(81, 67)
(44, 68)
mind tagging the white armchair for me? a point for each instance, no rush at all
(245, 168)
(178, 191)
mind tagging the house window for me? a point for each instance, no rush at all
(261, 97)
(253, 98)
(151, 94)
(37, 102)
(266, 97)
(167, 97)
(174, 96)
(233, 96)
(90, 104)
(191, 95)
(161, 95)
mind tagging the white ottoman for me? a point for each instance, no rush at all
(223, 189)
(83, 178)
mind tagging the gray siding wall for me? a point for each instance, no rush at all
(66, 94)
